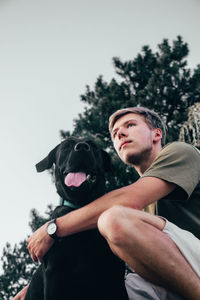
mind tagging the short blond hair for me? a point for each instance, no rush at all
(152, 119)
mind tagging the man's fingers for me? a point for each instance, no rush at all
(34, 258)
(32, 253)
(39, 243)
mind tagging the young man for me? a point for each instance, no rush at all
(162, 250)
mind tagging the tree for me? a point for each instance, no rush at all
(190, 130)
(159, 80)
(17, 264)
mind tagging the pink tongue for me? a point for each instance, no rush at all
(75, 179)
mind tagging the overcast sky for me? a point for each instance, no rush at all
(49, 51)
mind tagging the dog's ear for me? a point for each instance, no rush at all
(106, 161)
(48, 161)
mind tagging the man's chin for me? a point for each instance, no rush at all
(131, 156)
(132, 160)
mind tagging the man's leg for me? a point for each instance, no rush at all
(137, 238)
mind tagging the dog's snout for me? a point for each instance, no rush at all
(82, 146)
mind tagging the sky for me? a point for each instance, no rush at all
(49, 51)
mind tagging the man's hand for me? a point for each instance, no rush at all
(21, 295)
(39, 243)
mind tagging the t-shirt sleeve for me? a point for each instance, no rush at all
(177, 163)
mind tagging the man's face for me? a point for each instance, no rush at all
(132, 138)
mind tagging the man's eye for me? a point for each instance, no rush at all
(130, 125)
(114, 134)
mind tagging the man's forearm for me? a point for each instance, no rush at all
(86, 217)
(137, 195)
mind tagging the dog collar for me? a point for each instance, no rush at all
(67, 203)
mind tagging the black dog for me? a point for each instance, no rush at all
(80, 266)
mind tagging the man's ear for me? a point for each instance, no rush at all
(106, 161)
(48, 161)
(157, 134)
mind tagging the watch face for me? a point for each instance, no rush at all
(51, 228)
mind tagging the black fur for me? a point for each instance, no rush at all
(80, 266)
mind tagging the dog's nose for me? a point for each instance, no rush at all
(82, 146)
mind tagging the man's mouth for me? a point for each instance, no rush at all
(124, 144)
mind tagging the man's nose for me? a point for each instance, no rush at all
(121, 133)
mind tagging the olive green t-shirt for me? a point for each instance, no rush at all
(179, 163)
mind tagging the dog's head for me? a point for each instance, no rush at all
(79, 169)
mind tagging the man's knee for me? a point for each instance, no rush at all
(114, 223)
(109, 224)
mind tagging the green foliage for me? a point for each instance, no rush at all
(158, 80)
(190, 130)
(17, 264)
(37, 220)
(17, 267)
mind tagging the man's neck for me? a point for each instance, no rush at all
(147, 162)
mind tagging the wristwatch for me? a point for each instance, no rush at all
(52, 229)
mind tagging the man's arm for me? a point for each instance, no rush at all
(137, 195)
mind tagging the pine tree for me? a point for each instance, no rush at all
(158, 80)
(17, 264)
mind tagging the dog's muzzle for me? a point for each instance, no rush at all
(82, 146)
(74, 177)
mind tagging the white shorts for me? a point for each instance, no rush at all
(187, 243)
(140, 289)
